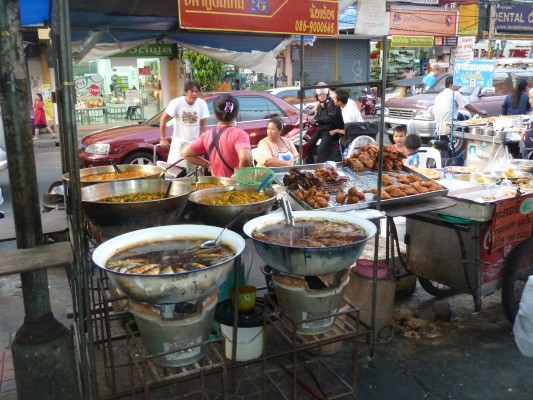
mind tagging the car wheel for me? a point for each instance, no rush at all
(139, 158)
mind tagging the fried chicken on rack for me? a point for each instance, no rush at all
(419, 188)
(313, 197)
(384, 194)
(431, 185)
(354, 164)
(341, 198)
(386, 180)
(353, 192)
(413, 178)
(394, 191)
(368, 154)
(408, 189)
(400, 178)
(328, 174)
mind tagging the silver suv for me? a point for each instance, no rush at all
(416, 112)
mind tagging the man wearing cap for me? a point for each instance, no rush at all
(328, 117)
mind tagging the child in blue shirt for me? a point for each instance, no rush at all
(412, 144)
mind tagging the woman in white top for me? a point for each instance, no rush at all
(275, 150)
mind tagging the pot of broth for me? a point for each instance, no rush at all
(93, 175)
(319, 243)
(120, 207)
(219, 206)
(164, 265)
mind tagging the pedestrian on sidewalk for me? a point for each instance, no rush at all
(190, 115)
(39, 117)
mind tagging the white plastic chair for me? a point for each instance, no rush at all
(429, 153)
(359, 142)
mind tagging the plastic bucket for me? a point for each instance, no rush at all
(249, 333)
(163, 335)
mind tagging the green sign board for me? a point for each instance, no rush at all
(412, 41)
(148, 50)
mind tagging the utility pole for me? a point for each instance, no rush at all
(43, 349)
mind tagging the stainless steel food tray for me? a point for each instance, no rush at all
(368, 179)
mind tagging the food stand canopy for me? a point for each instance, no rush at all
(122, 25)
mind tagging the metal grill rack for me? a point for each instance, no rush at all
(314, 374)
(364, 180)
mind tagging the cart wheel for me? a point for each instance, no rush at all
(434, 288)
(517, 269)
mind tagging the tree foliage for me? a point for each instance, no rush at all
(207, 71)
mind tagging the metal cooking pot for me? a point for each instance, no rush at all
(309, 260)
(476, 130)
(217, 180)
(152, 172)
(169, 288)
(221, 215)
(114, 219)
(488, 130)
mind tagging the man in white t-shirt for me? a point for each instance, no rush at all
(442, 108)
(190, 115)
(350, 112)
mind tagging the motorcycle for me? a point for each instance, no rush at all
(370, 104)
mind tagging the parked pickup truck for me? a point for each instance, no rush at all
(416, 112)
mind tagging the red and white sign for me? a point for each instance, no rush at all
(94, 90)
(294, 17)
(465, 48)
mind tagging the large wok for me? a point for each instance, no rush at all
(217, 180)
(309, 260)
(171, 288)
(153, 172)
(114, 219)
(221, 215)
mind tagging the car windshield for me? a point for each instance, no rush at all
(154, 121)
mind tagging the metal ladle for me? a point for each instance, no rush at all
(209, 244)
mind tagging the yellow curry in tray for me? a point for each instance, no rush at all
(234, 197)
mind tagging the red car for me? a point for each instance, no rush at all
(134, 144)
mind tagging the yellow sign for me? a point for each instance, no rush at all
(468, 20)
(47, 100)
(412, 41)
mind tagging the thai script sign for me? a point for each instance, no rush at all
(148, 50)
(422, 22)
(294, 17)
(412, 41)
(468, 20)
(514, 18)
(463, 50)
(479, 73)
(512, 221)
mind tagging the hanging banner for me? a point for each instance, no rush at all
(89, 91)
(47, 100)
(512, 221)
(294, 17)
(422, 22)
(478, 73)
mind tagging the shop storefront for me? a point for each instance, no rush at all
(126, 86)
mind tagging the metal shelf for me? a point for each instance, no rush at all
(311, 374)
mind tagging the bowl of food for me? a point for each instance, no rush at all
(523, 165)
(219, 206)
(508, 173)
(93, 175)
(124, 206)
(165, 264)
(319, 242)
(477, 178)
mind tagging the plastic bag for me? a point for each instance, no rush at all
(523, 323)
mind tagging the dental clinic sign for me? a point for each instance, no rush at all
(479, 73)
(514, 18)
(293, 17)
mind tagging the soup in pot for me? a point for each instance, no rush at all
(111, 176)
(311, 233)
(168, 257)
